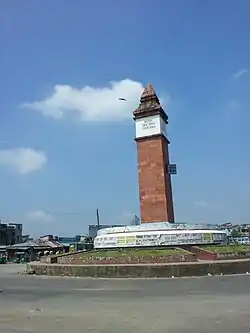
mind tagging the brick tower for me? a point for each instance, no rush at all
(154, 171)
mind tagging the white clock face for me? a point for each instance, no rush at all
(149, 126)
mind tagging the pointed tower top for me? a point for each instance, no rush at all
(148, 91)
(149, 104)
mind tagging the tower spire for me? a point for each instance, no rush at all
(149, 103)
(148, 91)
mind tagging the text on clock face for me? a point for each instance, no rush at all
(148, 124)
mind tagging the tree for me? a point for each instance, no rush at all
(235, 233)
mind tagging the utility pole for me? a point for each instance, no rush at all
(97, 219)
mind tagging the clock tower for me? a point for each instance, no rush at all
(154, 170)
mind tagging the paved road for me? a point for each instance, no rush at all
(197, 305)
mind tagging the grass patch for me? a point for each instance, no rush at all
(134, 253)
(227, 248)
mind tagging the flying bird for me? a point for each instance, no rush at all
(122, 99)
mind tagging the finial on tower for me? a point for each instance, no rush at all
(148, 91)
(149, 104)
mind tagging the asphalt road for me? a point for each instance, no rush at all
(198, 305)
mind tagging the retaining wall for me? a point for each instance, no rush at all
(81, 259)
(203, 254)
(143, 270)
(91, 258)
(196, 253)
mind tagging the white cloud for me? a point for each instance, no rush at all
(39, 216)
(238, 75)
(202, 203)
(22, 160)
(89, 103)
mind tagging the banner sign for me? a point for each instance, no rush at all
(159, 239)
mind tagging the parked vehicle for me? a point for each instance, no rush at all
(3, 260)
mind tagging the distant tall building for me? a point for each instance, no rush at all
(3, 233)
(154, 170)
(10, 233)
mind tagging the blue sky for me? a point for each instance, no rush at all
(66, 149)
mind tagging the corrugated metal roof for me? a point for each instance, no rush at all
(36, 244)
(53, 244)
(26, 245)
